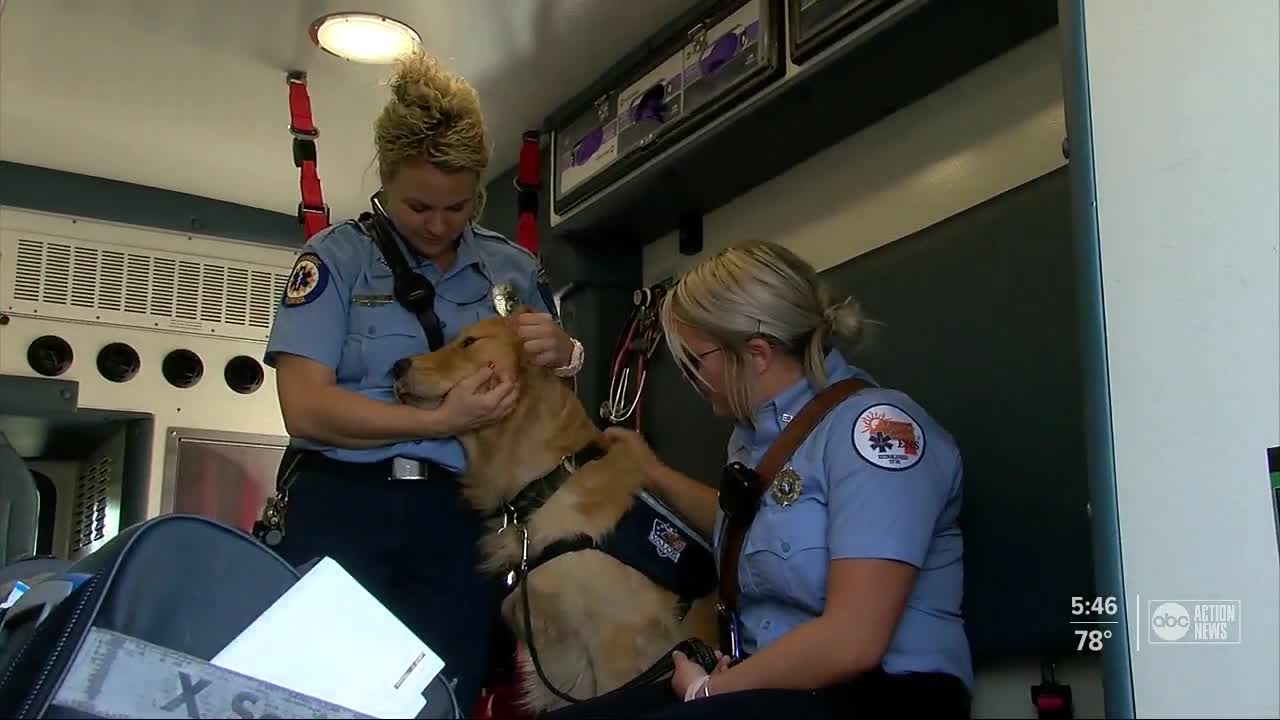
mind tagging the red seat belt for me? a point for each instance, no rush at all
(1051, 700)
(313, 213)
(528, 182)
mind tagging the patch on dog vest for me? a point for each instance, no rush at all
(651, 540)
(668, 541)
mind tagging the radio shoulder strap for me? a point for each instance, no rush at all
(406, 281)
(773, 461)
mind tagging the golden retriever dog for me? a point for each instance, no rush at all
(597, 623)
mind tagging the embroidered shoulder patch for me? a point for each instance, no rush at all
(888, 437)
(308, 280)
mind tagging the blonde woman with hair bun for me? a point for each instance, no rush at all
(850, 575)
(371, 482)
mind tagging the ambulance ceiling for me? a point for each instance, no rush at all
(190, 95)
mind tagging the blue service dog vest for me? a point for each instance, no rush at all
(650, 539)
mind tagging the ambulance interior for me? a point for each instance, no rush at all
(148, 222)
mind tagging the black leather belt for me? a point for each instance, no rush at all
(397, 468)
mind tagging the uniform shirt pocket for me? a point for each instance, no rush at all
(384, 332)
(463, 299)
(785, 553)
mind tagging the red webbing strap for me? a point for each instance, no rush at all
(527, 232)
(528, 182)
(527, 171)
(312, 211)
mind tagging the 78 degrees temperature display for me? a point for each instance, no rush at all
(1105, 610)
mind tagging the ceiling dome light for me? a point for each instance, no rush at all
(364, 37)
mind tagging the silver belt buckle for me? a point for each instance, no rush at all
(403, 468)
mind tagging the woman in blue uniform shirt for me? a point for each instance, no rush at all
(850, 579)
(373, 484)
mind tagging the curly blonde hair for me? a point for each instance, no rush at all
(433, 115)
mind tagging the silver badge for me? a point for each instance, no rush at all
(786, 487)
(505, 299)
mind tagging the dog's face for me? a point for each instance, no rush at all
(425, 380)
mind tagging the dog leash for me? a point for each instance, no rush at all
(514, 514)
(693, 648)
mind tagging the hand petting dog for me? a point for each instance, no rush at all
(545, 342)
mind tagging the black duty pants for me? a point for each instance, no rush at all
(411, 544)
(873, 695)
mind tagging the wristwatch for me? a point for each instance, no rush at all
(575, 361)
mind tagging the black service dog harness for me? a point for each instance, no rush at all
(648, 538)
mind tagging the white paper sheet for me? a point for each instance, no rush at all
(329, 638)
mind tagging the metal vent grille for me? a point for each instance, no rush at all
(92, 504)
(84, 281)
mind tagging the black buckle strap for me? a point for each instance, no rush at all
(413, 291)
(304, 148)
(269, 528)
(534, 495)
(516, 512)
(693, 648)
(322, 211)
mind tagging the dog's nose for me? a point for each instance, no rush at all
(401, 367)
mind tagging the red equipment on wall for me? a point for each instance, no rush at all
(629, 366)
(313, 213)
(528, 182)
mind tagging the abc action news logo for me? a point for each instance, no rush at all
(1203, 622)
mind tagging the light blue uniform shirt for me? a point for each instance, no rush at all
(338, 310)
(879, 479)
